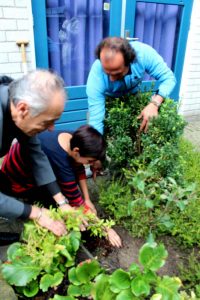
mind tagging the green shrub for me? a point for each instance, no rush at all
(186, 224)
(191, 162)
(158, 149)
(190, 273)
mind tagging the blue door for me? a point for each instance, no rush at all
(66, 34)
(164, 25)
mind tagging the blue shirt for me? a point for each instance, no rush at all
(99, 85)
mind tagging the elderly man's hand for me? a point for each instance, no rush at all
(41, 216)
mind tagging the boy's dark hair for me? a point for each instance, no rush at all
(89, 141)
(118, 45)
(5, 80)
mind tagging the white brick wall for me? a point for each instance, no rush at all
(190, 84)
(15, 24)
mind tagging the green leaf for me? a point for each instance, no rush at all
(86, 289)
(20, 274)
(119, 280)
(149, 203)
(168, 288)
(181, 204)
(149, 276)
(126, 295)
(156, 297)
(49, 280)
(58, 297)
(72, 276)
(134, 268)
(13, 251)
(87, 271)
(166, 221)
(101, 290)
(75, 240)
(31, 289)
(140, 287)
(74, 290)
(152, 257)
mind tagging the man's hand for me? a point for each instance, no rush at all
(146, 114)
(150, 111)
(41, 216)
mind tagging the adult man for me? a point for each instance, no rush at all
(118, 70)
(28, 106)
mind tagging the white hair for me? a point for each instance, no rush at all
(36, 89)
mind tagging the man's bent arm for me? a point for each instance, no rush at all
(11, 208)
(96, 97)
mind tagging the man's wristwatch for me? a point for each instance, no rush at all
(156, 102)
(63, 202)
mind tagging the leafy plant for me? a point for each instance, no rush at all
(139, 282)
(41, 260)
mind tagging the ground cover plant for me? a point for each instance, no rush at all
(41, 263)
(41, 260)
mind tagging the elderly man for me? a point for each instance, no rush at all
(118, 70)
(28, 106)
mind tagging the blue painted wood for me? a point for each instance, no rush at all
(115, 17)
(70, 125)
(76, 104)
(70, 116)
(76, 92)
(129, 24)
(40, 33)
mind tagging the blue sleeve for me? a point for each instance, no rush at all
(96, 96)
(156, 67)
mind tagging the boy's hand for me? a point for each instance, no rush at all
(114, 238)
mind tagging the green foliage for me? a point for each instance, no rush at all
(190, 161)
(127, 147)
(146, 203)
(41, 260)
(186, 224)
(139, 282)
(190, 273)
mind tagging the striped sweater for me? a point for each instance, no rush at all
(16, 166)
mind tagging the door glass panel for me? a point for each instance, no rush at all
(74, 28)
(158, 26)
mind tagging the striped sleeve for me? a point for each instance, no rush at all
(72, 193)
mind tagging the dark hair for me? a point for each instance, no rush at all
(89, 141)
(118, 45)
(5, 80)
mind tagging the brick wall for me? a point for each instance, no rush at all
(15, 24)
(190, 84)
